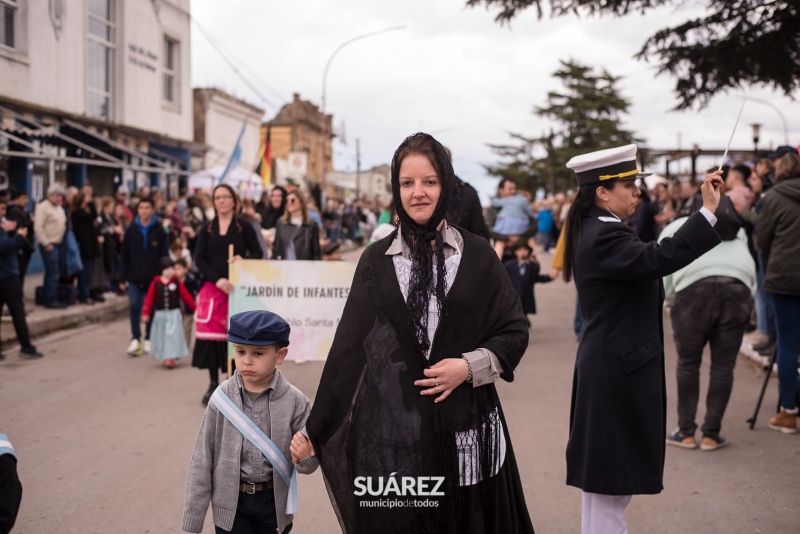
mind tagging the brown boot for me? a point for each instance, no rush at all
(785, 421)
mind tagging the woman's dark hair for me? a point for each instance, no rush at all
(581, 204)
(788, 166)
(77, 203)
(282, 191)
(422, 283)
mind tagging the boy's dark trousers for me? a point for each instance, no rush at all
(255, 514)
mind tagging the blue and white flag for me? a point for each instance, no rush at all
(236, 156)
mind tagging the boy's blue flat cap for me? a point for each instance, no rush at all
(259, 327)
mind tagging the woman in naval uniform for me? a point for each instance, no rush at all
(618, 413)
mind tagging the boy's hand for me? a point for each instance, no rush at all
(301, 448)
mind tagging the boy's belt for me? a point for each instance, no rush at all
(252, 487)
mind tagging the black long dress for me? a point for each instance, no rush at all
(369, 419)
(211, 258)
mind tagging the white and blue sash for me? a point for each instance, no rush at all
(271, 452)
(6, 447)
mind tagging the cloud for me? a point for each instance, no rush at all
(453, 72)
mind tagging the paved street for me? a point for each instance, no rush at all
(104, 441)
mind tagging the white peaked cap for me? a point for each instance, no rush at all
(612, 163)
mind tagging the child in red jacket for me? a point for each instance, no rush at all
(167, 340)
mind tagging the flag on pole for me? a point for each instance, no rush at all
(236, 156)
(264, 167)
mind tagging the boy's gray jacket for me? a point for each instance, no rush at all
(214, 468)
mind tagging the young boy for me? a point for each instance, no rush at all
(524, 273)
(248, 491)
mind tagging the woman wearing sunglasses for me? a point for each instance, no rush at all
(296, 236)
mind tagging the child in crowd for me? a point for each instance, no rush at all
(167, 339)
(178, 250)
(524, 273)
(513, 219)
(250, 485)
(192, 284)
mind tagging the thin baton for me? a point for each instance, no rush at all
(734, 131)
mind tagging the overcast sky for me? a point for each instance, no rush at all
(455, 73)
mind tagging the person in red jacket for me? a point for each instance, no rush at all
(168, 342)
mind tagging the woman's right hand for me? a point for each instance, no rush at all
(710, 191)
(225, 286)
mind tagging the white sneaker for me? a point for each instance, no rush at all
(134, 349)
(146, 346)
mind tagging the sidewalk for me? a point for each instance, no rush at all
(42, 321)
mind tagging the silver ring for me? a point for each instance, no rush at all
(437, 381)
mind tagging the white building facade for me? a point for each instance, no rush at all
(95, 90)
(373, 185)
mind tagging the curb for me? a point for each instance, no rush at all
(42, 321)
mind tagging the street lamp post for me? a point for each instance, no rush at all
(756, 132)
(324, 128)
(777, 110)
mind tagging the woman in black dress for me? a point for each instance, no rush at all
(211, 258)
(406, 408)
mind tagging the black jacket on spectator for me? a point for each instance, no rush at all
(25, 250)
(138, 262)
(472, 212)
(305, 238)
(84, 225)
(778, 237)
(644, 220)
(109, 250)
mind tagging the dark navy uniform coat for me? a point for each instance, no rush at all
(618, 414)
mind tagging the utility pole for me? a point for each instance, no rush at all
(358, 168)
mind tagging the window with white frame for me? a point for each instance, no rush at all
(101, 61)
(171, 70)
(8, 23)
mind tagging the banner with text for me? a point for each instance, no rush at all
(309, 295)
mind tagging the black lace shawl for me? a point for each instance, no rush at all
(369, 419)
(423, 284)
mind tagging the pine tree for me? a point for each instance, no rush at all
(588, 111)
(737, 42)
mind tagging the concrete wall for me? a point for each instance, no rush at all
(50, 72)
(222, 116)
